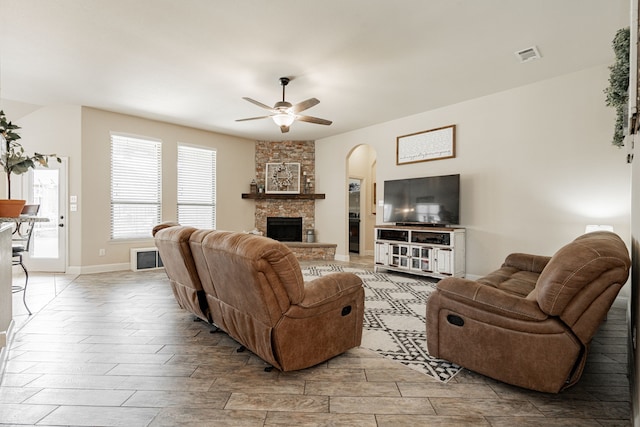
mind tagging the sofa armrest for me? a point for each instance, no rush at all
(490, 299)
(329, 288)
(527, 262)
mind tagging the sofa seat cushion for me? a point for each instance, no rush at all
(511, 280)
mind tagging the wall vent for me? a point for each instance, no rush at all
(145, 259)
(528, 54)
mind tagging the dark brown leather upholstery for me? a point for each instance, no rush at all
(256, 293)
(530, 322)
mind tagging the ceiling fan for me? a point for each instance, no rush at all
(284, 113)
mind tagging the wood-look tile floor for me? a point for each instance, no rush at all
(114, 349)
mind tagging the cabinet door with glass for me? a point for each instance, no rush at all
(400, 255)
(421, 258)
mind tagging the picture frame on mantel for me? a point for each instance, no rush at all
(433, 144)
(282, 178)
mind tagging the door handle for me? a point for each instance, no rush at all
(60, 225)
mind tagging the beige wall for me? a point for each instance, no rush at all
(536, 166)
(235, 169)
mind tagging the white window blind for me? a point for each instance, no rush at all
(136, 186)
(196, 187)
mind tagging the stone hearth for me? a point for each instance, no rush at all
(313, 251)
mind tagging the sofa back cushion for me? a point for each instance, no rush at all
(250, 274)
(172, 242)
(582, 269)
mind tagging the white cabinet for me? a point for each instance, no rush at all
(427, 251)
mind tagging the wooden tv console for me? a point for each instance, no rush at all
(426, 251)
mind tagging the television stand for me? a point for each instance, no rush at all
(422, 250)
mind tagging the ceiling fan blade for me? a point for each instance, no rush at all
(301, 106)
(284, 129)
(252, 118)
(258, 103)
(313, 120)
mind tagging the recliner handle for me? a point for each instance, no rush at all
(455, 320)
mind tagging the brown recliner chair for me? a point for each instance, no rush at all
(257, 294)
(530, 322)
(175, 252)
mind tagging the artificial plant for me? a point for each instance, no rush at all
(618, 90)
(13, 159)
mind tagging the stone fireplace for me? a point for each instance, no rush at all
(284, 229)
(290, 207)
(302, 152)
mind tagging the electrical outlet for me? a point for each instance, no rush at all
(101, 252)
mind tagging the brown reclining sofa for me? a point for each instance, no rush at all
(252, 288)
(530, 322)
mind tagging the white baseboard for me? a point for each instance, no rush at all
(103, 268)
(75, 270)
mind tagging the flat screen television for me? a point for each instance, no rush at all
(433, 200)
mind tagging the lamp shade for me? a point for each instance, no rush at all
(283, 119)
(593, 227)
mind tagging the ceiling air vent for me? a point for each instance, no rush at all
(528, 54)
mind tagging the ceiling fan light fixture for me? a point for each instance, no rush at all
(283, 119)
(284, 113)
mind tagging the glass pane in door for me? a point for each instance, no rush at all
(44, 242)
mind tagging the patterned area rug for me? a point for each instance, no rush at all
(395, 318)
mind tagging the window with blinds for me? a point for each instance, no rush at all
(196, 186)
(136, 186)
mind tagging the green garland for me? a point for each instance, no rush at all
(618, 90)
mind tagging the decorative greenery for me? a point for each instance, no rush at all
(12, 156)
(618, 90)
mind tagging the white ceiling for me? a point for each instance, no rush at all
(368, 61)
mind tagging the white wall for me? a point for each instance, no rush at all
(536, 166)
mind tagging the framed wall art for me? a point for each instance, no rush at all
(434, 144)
(283, 178)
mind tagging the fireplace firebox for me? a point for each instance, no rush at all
(284, 229)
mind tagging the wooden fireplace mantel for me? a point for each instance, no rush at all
(265, 196)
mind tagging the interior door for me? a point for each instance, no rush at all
(354, 214)
(47, 186)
